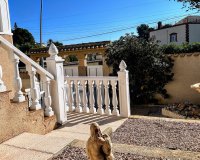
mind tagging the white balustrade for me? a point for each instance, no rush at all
(97, 92)
(78, 98)
(85, 97)
(47, 98)
(81, 91)
(92, 101)
(34, 93)
(34, 88)
(102, 85)
(2, 86)
(107, 97)
(72, 100)
(28, 94)
(114, 98)
(67, 98)
(100, 98)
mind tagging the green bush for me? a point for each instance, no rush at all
(149, 69)
(184, 48)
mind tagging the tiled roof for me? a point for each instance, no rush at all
(73, 47)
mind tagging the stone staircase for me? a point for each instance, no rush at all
(16, 119)
(31, 146)
(74, 134)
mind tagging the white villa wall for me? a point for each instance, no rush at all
(194, 33)
(163, 35)
(71, 70)
(96, 70)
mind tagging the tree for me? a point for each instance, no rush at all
(193, 4)
(55, 42)
(15, 26)
(144, 31)
(71, 58)
(23, 39)
(149, 69)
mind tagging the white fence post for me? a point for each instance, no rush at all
(2, 86)
(55, 67)
(124, 93)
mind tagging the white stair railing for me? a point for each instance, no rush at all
(32, 68)
(99, 94)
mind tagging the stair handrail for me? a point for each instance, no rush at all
(25, 59)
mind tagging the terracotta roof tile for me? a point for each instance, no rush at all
(81, 46)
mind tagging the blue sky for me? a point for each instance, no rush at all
(70, 20)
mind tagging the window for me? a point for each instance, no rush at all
(173, 37)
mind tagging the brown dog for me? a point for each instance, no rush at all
(98, 146)
(107, 148)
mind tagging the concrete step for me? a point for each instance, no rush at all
(33, 146)
(13, 153)
(41, 147)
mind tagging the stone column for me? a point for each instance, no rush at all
(124, 93)
(55, 67)
(82, 66)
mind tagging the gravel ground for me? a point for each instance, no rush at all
(159, 133)
(74, 153)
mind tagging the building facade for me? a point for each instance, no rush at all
(186, 30)
(90, 58)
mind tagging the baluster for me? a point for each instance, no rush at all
(107, 98)
(34, 88)
(47, 98)
(85, 97)
(66, 96)
(100, 99)
(78, 100)
(28, 93)
(114, 98)
(92, 105)
(2, 86)
(81, 94)
(19, 97)
(71, 94)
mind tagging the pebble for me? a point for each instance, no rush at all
(159, 133)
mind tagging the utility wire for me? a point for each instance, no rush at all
(113, 31)
(121, 19)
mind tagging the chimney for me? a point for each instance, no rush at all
(159, 25)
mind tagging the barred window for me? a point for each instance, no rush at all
(173, 37)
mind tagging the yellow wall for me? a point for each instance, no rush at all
(186, 72)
